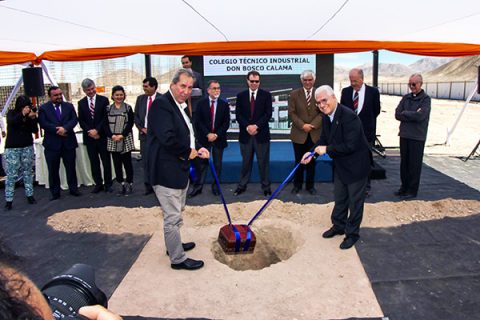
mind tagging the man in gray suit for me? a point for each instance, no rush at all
(142, 106)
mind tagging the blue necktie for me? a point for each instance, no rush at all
(57, 112)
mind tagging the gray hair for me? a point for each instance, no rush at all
(307, 73)
(417, 75)
(325, 88)
(359, 71)
(179, 72)
(87, 83)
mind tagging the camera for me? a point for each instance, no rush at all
(71, 290)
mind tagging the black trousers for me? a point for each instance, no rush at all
(120, 161)
(411, 160)
(202, 165)
(143, 153)
(97, 150)
(347, 213)
(300, 149)
(53, 164)
(262, 151)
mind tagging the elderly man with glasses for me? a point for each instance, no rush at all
(413, 112)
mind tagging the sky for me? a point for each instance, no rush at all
(351, 60)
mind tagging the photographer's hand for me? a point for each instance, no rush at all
(98, 312)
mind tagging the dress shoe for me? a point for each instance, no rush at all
(148, 191)
(123, 190)
(129, 188)
(215, 192)
(239, 191)
(187, 246)
(108, 189)
(332, 232)
(194, 192)
(54, 197)
(75, 193)
(408, 196)
(295, 190)
(267, 192)
(347, 243)
(8, 205)
(188, 264)
(399, 192)
(31, 200)
(312, 191)
(97, 188)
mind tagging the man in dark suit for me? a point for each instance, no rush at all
(365, 101)
(91, 117)
(211, 134)
(142, 106)
(253, 112)
(170, 146)
(306, 127)
(198, 87)
(343, 140)
(57, 119)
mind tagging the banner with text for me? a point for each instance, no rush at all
(266, 65)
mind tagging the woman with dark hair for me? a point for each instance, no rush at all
(120, 143)
(21, 124)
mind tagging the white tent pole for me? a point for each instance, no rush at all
(52, 81)
(450, 132)
(12, 95)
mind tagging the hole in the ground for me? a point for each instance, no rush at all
(273, 245)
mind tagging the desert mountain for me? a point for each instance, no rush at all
(461, 69)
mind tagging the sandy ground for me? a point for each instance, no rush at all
(299, 275)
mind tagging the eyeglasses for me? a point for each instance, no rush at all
(215, 88)
(254, 81)
(323, 101)
(307, 79)
(412, 84)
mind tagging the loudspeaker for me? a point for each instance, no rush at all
(33, 82)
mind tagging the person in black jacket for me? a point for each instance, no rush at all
(91, 117)
(19, 153)
(343, 140)
(413, 112)
(211, 122)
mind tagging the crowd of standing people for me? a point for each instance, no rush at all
(182, 128)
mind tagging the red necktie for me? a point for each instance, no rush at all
(92, 107)
(252, 105)
(355, 101)
(212, 112)
(149, 103)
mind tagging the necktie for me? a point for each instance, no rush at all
(355, 101)
(149, 103)
(92, 107)
(212, 112)
(309, 97)
(57, 112)
(252, 105)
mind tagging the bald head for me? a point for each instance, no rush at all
(356, 78)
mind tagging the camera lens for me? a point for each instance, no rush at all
(73, 289)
